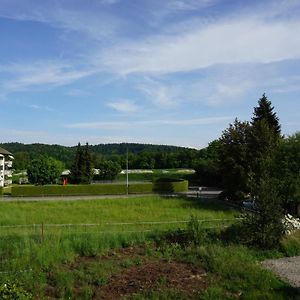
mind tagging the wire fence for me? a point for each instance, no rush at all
(107, 227)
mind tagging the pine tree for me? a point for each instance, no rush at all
(81, 170)
(76, 169)
(264, 111)
(87, 171)
(263, 139)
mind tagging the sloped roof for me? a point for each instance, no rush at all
(5, 152)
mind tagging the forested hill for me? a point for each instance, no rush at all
(140, 155)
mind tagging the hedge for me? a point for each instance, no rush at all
(98, 189)
(170, 185)
(1, 191)
(69, 190)
(141, 188)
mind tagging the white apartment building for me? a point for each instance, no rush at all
(6, 160)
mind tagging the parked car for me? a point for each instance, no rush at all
(250, 205)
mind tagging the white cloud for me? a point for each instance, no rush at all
(161, 94)
(90, 19)
(123, 106)
(239, 41)
(50, 73)
(100, 125)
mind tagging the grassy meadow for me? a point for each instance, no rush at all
(156, 261)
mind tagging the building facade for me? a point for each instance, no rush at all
(6, 162)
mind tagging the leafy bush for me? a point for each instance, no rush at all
(108, 170)
(10, 291)
(1, 191)
(44, 170)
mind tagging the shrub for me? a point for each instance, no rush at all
(196, 233)
(1, 191)
(73, 190)
(69, 190)
(141, 188)
(170, 185)
(10, 291)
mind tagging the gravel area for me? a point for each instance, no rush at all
(287, 268)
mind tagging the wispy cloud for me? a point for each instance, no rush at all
(163, 95)
(39, 107)
(242, 40)
(90, 20)
(149, 123)
(78, 93)
(123, 106)
(50, 73)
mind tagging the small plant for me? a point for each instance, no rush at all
(196, 233)
(11, 291)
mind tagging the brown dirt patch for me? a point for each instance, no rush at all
(185, 278)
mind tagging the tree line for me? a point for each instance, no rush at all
(140, 156)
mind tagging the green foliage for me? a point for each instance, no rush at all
(141, 188)
(140, 155)
(265, 229)
(59, 190)
(170, 185)
(197, 235)
(233, 158)
(44, 170)
(1, 191)
(11, 291)
(290, 245)
(286, 170)
(108, 170)
(81, 170)
(264, 111)
(207, 166)
(97, 189)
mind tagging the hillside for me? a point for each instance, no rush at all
(140, 155)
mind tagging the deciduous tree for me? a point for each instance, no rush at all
(44, 170)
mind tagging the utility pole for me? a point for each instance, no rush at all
(127, 184)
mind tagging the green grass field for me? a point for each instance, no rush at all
(105, 212)
(80, 262)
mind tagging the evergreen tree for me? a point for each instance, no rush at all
(81, 170)
(265, 228)
(264, 137)
(76, 169)
(87, 170)
(264, 111)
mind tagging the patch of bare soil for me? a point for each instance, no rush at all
(135, 273)
(157, 275)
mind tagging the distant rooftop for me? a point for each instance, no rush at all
(5, 152)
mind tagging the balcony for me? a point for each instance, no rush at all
(8, 164)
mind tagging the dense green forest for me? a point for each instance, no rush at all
(140, 156)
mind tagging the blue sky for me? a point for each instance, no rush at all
(150, 71)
